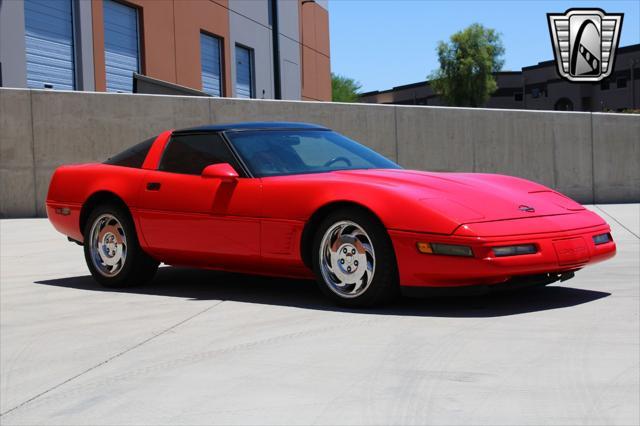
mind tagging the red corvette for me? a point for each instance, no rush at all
(299, 200)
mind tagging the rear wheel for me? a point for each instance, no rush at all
(353, 259)
(112, 251)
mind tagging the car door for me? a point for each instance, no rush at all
(187, 219)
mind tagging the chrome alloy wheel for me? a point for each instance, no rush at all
(108, 245)
(347, 259)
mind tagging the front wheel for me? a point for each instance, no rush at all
(353, 259)
(112, 251)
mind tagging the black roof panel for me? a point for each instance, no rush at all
(255, 125)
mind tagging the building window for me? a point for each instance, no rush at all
(211, 60)
(621, 83)
(244, 72)
(517, 96)
(604, 85)
(563, 104)
(121, 45)
(535, 92)
(49, 44)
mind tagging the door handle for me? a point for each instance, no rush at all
(153, 186)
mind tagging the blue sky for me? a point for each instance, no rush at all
(386, 43)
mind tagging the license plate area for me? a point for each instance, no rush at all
(571, 251)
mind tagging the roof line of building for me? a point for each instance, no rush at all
(425, 83)
(624, 49)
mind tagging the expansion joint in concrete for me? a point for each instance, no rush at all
(111, 358)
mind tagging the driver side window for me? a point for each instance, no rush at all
(190, 154)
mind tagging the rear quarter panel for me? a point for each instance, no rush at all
(71, 187)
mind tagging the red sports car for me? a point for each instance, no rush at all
(300, 200)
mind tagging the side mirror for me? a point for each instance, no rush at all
(222, 171)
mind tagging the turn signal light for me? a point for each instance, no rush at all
(445, 249)
(514, 250)
(601, 239)
(424, 248)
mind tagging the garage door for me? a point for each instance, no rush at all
(49, 44)
(121, 47)
(210, 60)
(244, 73)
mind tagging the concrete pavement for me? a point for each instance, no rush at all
(200, 347)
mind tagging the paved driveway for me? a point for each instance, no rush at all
(199, 347)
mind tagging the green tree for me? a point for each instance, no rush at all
(344, 89)
(467, 65)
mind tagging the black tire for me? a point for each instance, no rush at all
(383, 288)
(137, 268)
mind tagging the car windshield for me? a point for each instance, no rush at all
(288, 152)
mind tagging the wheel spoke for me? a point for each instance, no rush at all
(357, 233)
(367, 248)
(358, 285)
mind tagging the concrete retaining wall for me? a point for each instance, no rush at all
(590, 157)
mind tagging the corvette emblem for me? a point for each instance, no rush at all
(585, 43)
(527, 209)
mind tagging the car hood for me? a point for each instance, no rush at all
(471, 197)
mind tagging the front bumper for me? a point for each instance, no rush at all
(558, 252)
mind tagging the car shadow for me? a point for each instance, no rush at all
(197, 284)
